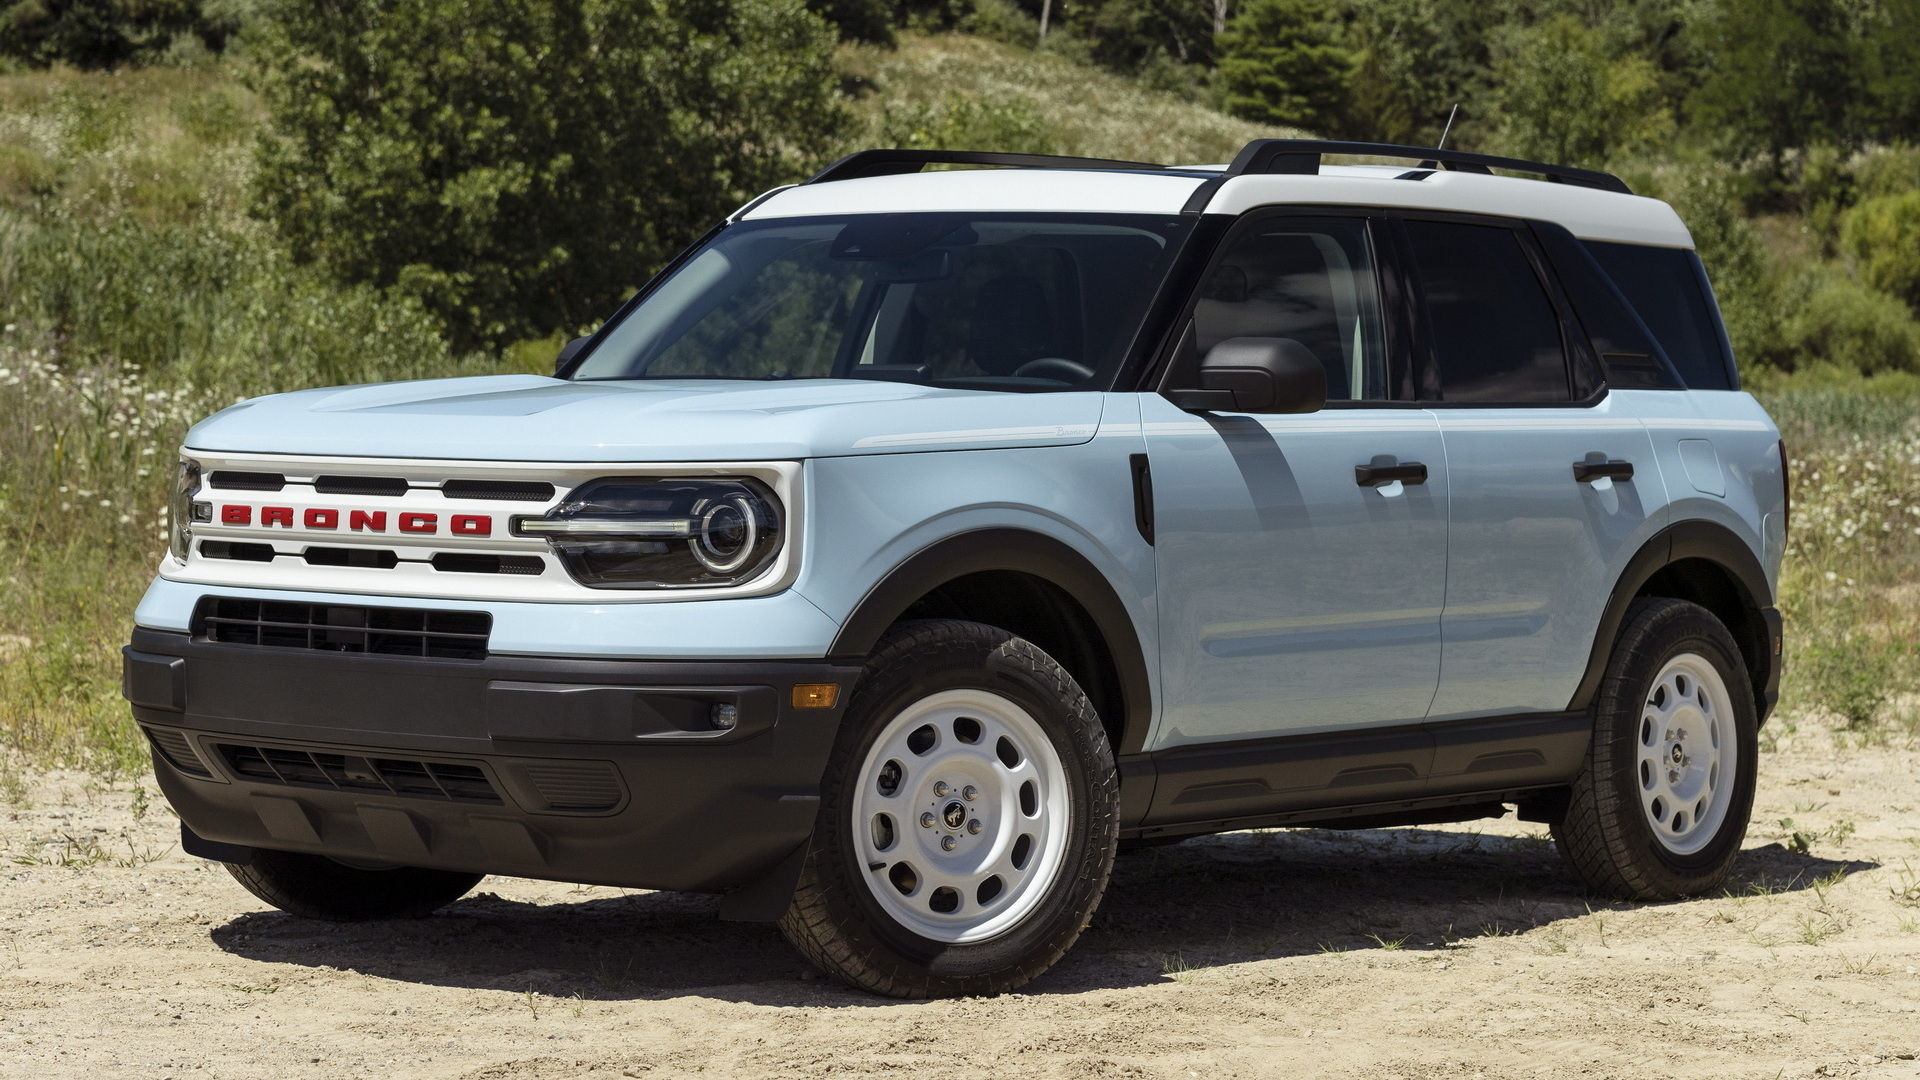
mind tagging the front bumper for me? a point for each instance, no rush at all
(604, 772)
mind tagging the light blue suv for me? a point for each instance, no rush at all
(919, 539)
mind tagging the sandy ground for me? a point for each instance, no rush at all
(1444, 952)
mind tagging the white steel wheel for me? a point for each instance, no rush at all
(961, 814)
(1688, 754)
(1660, 806)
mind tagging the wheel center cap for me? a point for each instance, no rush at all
(954, 814)
(1677, 755)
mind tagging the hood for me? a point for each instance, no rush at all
(534, 418)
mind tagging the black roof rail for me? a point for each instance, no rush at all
(866, 163)
(1302, 156)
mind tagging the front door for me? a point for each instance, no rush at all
(1297, 595)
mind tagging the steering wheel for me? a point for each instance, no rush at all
(1055, 368)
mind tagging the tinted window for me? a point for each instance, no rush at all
(1632, 358)
(1493, 328)
(1307, 279)
(1665, 288)
(1010, 302)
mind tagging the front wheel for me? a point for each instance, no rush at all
(968, 819)
(1661, 806)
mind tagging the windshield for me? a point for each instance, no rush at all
(982, 301)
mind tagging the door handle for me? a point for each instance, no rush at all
(1373, 476)
(1586, 472)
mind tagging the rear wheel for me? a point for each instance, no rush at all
(1662, 805)
(968, 821)
(316, 887)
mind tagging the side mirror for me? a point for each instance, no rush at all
(567, 352)
(1257, 375)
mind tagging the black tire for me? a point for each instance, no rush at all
(1607, 837)
(316, 887)
(835, 919)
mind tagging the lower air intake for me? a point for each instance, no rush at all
(350, 772)
(451, 635)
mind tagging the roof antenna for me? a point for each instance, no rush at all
(1449, 128)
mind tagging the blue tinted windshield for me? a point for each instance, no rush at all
(987, 301)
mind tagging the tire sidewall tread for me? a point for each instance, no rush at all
(835, 921)
(1605, 838)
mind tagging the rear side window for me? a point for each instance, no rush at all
(1494, 330)
(1666, 287)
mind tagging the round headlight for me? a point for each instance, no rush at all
(725, 534)
(662, 533)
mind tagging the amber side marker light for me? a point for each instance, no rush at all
(816, 695)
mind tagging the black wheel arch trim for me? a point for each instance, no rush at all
(1027, 552)
(1709, 542)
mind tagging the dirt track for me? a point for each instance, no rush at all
(1457, 952)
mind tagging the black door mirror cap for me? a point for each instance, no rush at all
(567, 352)
(1257, 375)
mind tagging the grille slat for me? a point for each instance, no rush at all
(366, 558)
(506, 490)
(360, 485)
(236, 549)
(247, 481)
(462, 562)
(444, 781)
(451, 635)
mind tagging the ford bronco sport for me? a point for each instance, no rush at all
(917, 539)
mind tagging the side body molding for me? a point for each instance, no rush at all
(1757, 629)
(1024, 552)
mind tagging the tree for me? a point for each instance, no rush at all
(107, 33)
(520, 167)
(1414, 61)
(1783, 74)
(1566, 99)
(859, 20)
(1127, 35)
(1280, 64)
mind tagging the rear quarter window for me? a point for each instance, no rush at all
(1667, 288)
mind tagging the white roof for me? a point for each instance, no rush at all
(1586, 212)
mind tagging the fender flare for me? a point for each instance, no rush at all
(1026, 552)
(1707, 541)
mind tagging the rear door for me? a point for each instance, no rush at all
(1549, 482)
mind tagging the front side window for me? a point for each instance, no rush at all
(992, 302)
(1494, 330)
(1309, 279)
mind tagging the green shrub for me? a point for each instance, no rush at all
(963, 122)
(1852, 327)
(1000, 20)
(1882, 235)
(1888, 170)
(519, 168)
(217, 305)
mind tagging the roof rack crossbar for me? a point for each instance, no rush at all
(1302, 157)
(867, 163)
